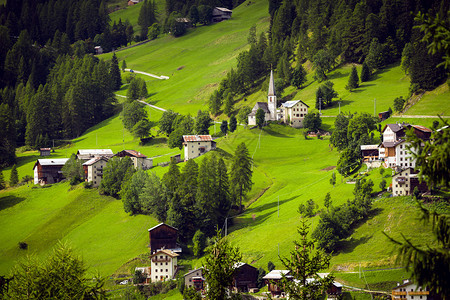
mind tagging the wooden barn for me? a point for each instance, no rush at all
(163, 236)
(47, 171)
(45, 151)
(245, 277)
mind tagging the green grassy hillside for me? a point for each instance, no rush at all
(95, 226)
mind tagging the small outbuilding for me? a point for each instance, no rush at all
(272, 280)
(45, 151)
(220, 14)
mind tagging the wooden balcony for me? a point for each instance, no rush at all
(156, 259)
(419, 293)
(395, 293)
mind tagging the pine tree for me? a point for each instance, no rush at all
(229, 104)
(2, 181)
(375, 59)
(241, 173)
(365, 72)
(124, 65)
(224, 127)
(260, 118)
(219, 268)
(233, 123)
(298, 76)
(304, 264)
(114, 73)
(353, 80)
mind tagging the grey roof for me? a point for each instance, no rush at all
(263, 105)
(95, 152)
(271, 85)
(193, 271)
(394, 127)
(392, 144)
(52, 161)
(95, 159)
(276, 274)
(223, 9)
(293, 102)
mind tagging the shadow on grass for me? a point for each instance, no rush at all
(9, 201)
(274, 133)
(251, 219)
(336, 75)
(223, 153)
(156, 141)
(347, 246)
(23, 160)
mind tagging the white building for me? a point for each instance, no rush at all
(405, 181)
(394, 148)
(196, 145)
(164, 265)
(269, 108)
(294, 113)
(93, 169)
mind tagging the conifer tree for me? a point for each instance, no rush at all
(375, 59)
(304, 264)
(229, 104)
(224, 127)
(353, 80)
(365, 72)
(2, 181)
(124, 65)
(298, 76)
(241, 173)
(233, 123)
(114, 73)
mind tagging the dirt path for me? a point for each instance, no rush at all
(162, 77)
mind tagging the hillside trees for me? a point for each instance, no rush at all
(312, 121)
(353, 80)
(7, 135)
(114, 72)
(131, 190)
(73, 170)
(241, 173)
(13, 176)
(147, 17)
(325, 94)
(117, 171)
(260, 118)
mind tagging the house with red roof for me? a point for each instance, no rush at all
(140, 160)
(196, 145)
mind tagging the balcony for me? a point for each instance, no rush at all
(419, 293)
(156, 259)
(394, 293)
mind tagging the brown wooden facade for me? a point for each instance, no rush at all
(163, 236)
(245, 277)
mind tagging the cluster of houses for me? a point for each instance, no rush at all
(49, 170)
(291, 112)
(393, 153)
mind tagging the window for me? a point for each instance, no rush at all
(167, 264)
(156, 270)
(167, 270)
(156, 264)
(162, 270)
(161, 257)
(190, 280)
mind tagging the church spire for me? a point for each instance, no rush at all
(271, 85)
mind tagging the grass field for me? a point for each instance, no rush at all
(433, 103)
(95, 226)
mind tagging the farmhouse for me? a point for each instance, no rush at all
(93, 169)
(272, 280)
(163, 236)
(394, 148)
(410, 290)
(87, 154)
(140, 160)
(196, 145)
(220, 14)
(45, 151)
(164, 265)
(294, 113)
(98, 50)
(369, 152)
(194, 279)
(404, 182)
(48, 171)
(245, 277)
(269, 108)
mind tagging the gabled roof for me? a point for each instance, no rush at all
(240, 264)
(406, 283)
(95, 159)
(223, 9)
(422, 128)
(395, 127)
(392, 144)
(51, 162)
(271, 85)
(193, 271)
(197, 138)
(95, 152)
(167, 252)
(293, 102)
(263, 105)
(277, 274)
(161, 224)
(132, 153)
(45, 149)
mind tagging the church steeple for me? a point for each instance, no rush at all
(271, 85)
(272, 98)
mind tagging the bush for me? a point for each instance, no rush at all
(23, 245)
(399, 102)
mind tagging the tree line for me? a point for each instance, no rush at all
(197, 197)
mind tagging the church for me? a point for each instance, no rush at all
(290, 112)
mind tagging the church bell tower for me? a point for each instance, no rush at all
(272, 98)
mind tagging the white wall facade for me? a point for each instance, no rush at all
(195, 149)
(163, 267)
